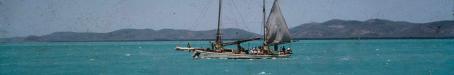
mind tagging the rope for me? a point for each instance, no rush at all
(203, 14)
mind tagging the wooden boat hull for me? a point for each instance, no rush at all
(230, 55)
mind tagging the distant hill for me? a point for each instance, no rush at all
(138, 35)
(333, 29)
(373, 28)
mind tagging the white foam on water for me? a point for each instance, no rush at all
(262, 73)
(127, 54)
(91, 59)
(346, 58)
(140, 47)
(387, 61)
(377, 49)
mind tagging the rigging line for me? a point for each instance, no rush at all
(233, 16)
(235, 23)
(203, 14)
(452, 14)
(239, 13)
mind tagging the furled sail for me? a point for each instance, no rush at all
(276, 28)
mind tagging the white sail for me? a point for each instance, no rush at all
(276, 28)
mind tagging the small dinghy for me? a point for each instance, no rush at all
(184, 48)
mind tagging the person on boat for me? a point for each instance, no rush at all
(246, 50)
(276, 48)
(189, 45)
(259, 50)
(254, 50)
(242, 50)
(251, 51)
(196, 54)
(212, 45)
(288, 51)
(282, 50)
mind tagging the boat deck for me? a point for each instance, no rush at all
(231, 55)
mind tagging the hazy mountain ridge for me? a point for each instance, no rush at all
(336, 28)
(137, 35)
(373, 28)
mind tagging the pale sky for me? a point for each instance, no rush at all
(39, 17)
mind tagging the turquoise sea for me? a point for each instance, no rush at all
(311, 57)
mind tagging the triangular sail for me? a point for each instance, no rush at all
(276, 28)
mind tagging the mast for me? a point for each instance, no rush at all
(218, 43)
(264, 22)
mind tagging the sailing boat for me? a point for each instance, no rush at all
(275, 33)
